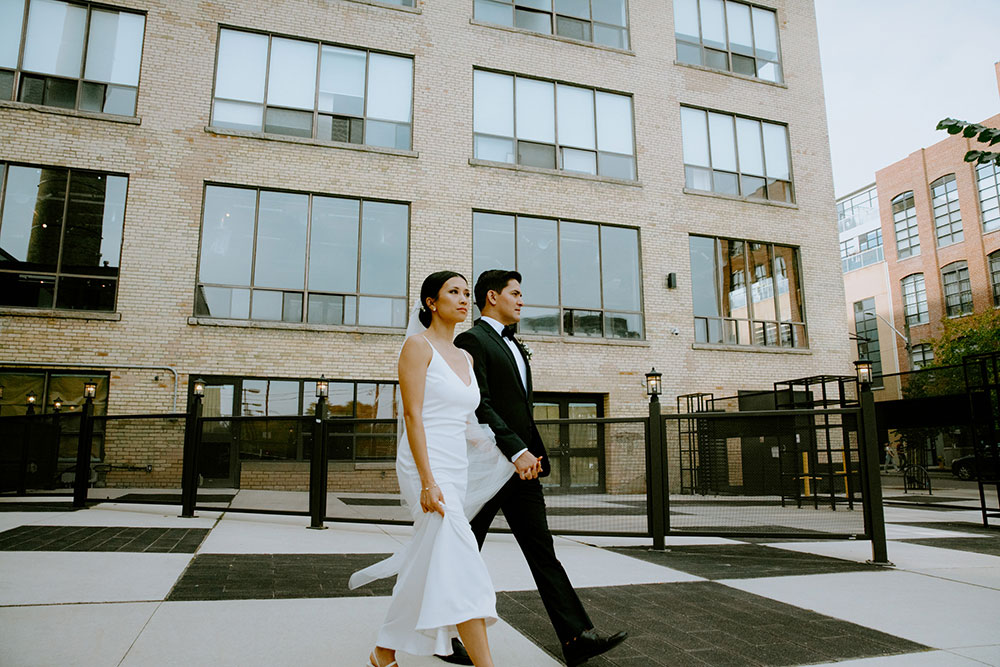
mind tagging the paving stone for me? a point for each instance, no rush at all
(102, 538)
(979, 545)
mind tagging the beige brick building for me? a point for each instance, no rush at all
(149, 328)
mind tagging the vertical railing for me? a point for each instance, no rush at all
(189, 464)
(81, 480)
(318, 468)
(871, 479)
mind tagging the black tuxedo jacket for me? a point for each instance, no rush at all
(504, 403)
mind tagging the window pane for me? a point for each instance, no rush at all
(704, 289)
(291, 307)
(580, 266)
(720, 128)
(86, 293)
(492, 243)
(383, 248)
(609, 11)
(266, 306)
(733, 272)
(584, 162)
(224, 302)
(390, 135)
(390, 87)
(740, 37)
(762, 287)
(776, 151)
(342, 81)
(576, 116)
(242, 63)
(536, 155)
(281, 240)
(725, 183)
(493, 111)
(291, 76)
(544, 5)
(326, 309)
(539, 320)
(492, 148)
(698, 178)
(749, 144)
(27, 291)
(11, 19)
(120, 100)
(609, 36)
(286, 121)
(616, 166)
(114, 47)
(534, 21)
(614, 123)
(688, 53)
(237, 115)
(716, 59)
(333, 246)
(32, 218)
(573, 28)
(93, 236)
(585, 323)
(494, 12)
(694, 131)
(578, 8)
(622, 325)
(620, 268)
(54, 39)
(538, 261)
(227, 235)
(379, 312)
(769, 71)
(713, 23)
(765, 32)
(686, 20)
(535, 110)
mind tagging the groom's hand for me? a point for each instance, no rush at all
(528, 466)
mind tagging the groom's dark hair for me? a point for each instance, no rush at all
(493, 280)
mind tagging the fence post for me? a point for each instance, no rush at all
(81, 479)
(657, 466)
(870, 479)
(189, 469)
(318, 468)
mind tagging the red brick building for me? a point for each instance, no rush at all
(941, 224)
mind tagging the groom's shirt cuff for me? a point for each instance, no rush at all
(516, 456)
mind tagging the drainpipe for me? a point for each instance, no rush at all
(29, 364)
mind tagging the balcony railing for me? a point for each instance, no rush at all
(862, 259)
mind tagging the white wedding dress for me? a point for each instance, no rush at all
(442, 579)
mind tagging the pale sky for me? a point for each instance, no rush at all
(893, 68)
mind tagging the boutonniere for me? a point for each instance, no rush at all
(527, 350)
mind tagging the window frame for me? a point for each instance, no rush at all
(790, 183)
(870, 240)
(555, 124)
(983, 175)
(563, 310)
(305, 291)
(58, 273)
(951, 276)
(751, 321)
(946, 230)
(993, 267)
(921, 314)
(19, 72)
(923, 349)
(911, 227)
(554, 16)
(316, 113)
(729, 51)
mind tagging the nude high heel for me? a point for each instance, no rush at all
(372, 662)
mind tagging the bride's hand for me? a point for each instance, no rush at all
(432, 500)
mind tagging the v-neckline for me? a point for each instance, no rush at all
(453, 371)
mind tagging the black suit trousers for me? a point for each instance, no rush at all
(523, 507)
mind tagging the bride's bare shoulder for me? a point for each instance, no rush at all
(415, 351)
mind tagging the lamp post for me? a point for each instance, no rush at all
(875, 517)
(81, 479)
(31, 398)
(318, 472)
(189, 462)
(656, 497)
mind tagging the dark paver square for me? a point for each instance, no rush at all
(979, 545)
(276, 576)
(741, 561)
(102, 538)
(173, 498)
(659, 619)
(372, 502)
(38, 507)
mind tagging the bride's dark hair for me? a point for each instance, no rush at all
(430, 290)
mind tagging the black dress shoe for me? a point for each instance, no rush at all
(589, 645)
(459, 655)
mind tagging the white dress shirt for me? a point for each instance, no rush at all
(522, 370)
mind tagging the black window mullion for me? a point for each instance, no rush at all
(600, 274)
(267, 80)
(562, 318)
(62, 236)
(305, 268)
(83, 58)
(253, 251)
(319, 67)
(364, 118)
(357, 284)
(20, 54)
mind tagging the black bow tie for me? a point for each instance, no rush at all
(508, 331)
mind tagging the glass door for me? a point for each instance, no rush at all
(576, 451)
(217, 456)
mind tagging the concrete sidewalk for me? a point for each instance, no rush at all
(119, 584)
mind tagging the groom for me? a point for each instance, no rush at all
(504, 378)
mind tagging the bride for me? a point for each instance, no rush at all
(448, 466)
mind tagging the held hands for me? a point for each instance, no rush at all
(432, 499)
(527, 466)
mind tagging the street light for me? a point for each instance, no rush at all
(90, 389)
(654, 386)
(32, 397)
(199, 387)
(57, 404)
(322, 387)
(864, 371)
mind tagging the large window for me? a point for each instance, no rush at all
(921, 355)
(904, 219)
(957, 289)
(866, 329)
(295, 257)
(580, 279)
(914, 299)
(309, 89)
(736, 156)
(988, 179)
(730, 36)
(60, 237)
(994, 260)
(872, 239)
(600, 21)
(947, 216)
(70, 55)
(769, 312)
(552, 125)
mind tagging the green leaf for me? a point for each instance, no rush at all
(972, 156)
(948, 123)
(969, 131)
